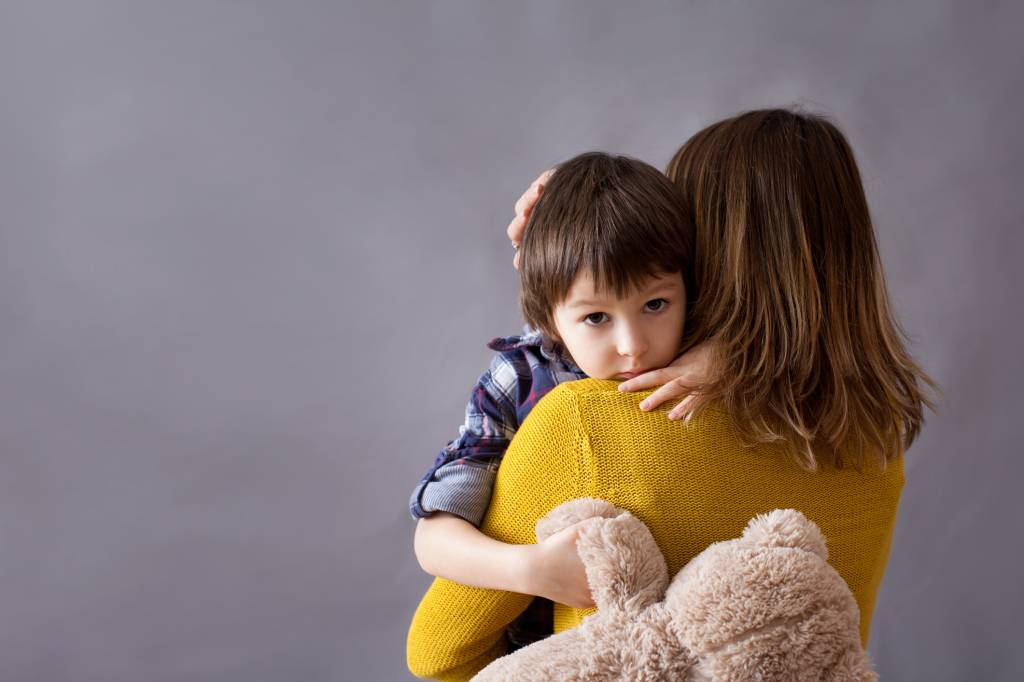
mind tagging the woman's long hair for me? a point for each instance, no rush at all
(791, 292)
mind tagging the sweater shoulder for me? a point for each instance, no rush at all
(602, 397)
(583, 387)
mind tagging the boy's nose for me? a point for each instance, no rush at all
(631, 344)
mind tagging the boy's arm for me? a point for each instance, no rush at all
(450, 547)
(461, 479)
(457, 630)
(454, 549)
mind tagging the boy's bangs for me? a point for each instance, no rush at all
(621, 270)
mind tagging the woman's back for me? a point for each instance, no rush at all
(691, 484)
(696, 484)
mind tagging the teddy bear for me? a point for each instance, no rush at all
(763, 606)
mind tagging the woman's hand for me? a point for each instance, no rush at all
(686, 372)
(556, 570)
(517, 228)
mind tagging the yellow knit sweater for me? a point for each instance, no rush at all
(691, 484)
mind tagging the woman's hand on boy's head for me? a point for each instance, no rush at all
(687, 372)
(517, 228)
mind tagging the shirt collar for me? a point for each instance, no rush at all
(533, 338)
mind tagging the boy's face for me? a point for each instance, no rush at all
(617, 338)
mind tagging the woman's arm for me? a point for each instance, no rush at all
(457, 630)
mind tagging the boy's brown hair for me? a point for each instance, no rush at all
(806, 349)
(615, 217)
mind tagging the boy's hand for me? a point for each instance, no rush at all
(517, 228)
(686, 373)
(556, 570)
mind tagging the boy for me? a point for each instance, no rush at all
(605, 269)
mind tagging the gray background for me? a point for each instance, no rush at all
(250, 254)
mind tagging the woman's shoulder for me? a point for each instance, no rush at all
(583, 395)
(605, 393)
(584, 387)
(598, 407)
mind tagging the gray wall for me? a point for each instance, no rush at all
(251, 253)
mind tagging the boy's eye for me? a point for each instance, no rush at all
(656, 304)
(595, 318)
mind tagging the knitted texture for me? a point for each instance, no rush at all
(691, 484)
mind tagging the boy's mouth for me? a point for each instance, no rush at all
(630, 375)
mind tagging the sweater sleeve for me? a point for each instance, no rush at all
(457, 630)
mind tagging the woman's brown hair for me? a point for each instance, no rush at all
(791, 293)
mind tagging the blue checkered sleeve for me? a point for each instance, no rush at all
(462, 477)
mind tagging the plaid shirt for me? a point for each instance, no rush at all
(462, 477)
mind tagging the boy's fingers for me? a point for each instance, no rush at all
(524, 206)
(528, 199)
(682, 409)
(658, 397)
(533, 192)
(646, 380)
(672, 389)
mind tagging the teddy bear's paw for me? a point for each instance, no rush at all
(625, 568)
(853, 666)
(574, 511)
(786, 528)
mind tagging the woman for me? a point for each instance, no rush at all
(797, 389)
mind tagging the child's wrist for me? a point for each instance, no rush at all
(525, 569)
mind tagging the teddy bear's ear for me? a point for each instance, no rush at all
(786, 528)
(574, 511)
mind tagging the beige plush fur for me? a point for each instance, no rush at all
(764, 606)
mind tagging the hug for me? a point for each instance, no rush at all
(702, 347)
